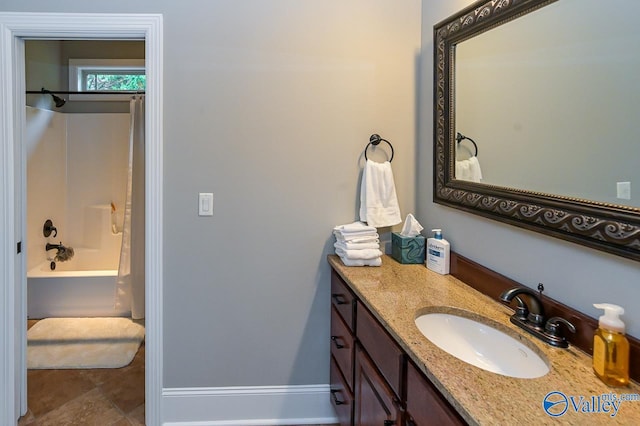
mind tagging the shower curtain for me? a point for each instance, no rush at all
(130, 285)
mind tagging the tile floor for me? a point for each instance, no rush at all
(101, 397)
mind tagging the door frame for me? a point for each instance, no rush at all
(15, 27)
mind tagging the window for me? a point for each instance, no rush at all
(108, 80)
(105, 75)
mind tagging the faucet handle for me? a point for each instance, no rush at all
(536, 319)
(48, 228)
(522, 311)
(553, 325)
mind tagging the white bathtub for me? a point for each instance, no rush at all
(82, 287)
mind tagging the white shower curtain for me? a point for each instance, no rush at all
(130, 285)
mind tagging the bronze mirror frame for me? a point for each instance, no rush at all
(608, 227)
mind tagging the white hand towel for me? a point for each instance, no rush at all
(462, 169)
(378, 200)
(356, 232)
(348, 245)
(469, 170)
(354, 227)
(358, 238)
(365, 254)
(474, 168)
(359, 262)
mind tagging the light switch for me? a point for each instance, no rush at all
(624, 190)
(205, 204)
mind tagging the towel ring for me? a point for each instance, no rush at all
(460, 137)
(374, 140)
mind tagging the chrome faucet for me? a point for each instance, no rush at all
(530, 317)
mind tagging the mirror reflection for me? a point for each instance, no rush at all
(552, 102)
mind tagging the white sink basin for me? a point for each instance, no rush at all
(481, 345)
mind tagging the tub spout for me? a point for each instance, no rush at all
(50, 246)
(63, 254)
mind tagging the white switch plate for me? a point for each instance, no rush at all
(205, 204)
(624, 190)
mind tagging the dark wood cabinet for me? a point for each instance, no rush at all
(425, 405)
(387, 356)
(372, 382)
(341, 395)
(376, 403)
(342, 349)
(343, 300)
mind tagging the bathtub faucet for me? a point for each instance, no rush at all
(50, 246)
(63, 253)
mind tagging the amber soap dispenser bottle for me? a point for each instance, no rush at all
(611, 347)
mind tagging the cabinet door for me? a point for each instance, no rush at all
(425, 405)
(375, 403)
(381, 348)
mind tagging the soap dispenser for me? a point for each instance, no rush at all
(438, 250)
(611, 347)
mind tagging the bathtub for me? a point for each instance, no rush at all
(84, 286)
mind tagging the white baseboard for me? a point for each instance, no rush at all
(244, 405)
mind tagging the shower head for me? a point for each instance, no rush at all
(57, 99)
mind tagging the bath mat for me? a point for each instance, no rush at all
(58, 343)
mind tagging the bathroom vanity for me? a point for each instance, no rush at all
(368, 367)
(385, 372)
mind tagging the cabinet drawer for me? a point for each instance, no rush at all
(341, 396)
(342, 347)
(382, 349)
(425, 404)
(342, 299)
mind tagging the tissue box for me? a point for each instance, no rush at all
(407, 249)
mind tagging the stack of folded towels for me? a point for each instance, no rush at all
(358, 244)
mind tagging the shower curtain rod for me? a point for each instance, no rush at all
(89, 92)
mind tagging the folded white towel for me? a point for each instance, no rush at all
(348, 245)
(358, 239)
(356, 232)
(365, 254)
(378, 200)
(469, 170)
(360, 262)
(354, 227)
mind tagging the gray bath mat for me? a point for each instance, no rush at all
(58, 343)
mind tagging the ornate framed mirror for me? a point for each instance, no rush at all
(548, 97)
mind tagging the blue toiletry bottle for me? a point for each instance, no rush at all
(438, 250)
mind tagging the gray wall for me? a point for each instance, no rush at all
(42, 69)
(268, 104)
(572, 274)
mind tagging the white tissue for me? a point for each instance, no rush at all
(411, 227)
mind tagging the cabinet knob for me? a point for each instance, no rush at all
(335, 341)
(339, 298)
(335, 398)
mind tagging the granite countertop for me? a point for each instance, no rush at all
(396, 294)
